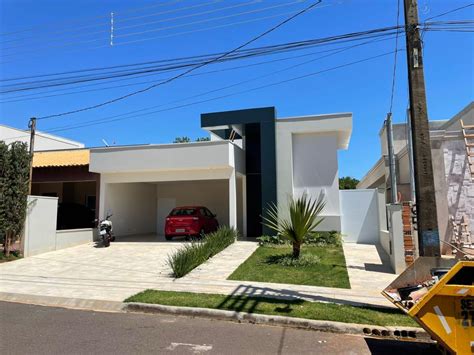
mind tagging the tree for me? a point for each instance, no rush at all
(183, 139)
(14, 181)
(302, 220)
(348, 183)
(203, 139)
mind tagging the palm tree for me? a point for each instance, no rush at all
(304, 217)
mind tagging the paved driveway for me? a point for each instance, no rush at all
(90, 272)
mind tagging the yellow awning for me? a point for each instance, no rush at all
(76, 157)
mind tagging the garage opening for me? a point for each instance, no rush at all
(140, 209)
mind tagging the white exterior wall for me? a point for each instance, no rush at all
(40, 231)
(133, 206)
(315, 169)
(306, 150)
(67, 238)
(360, 216)
(166, 157)
(396, 249)
(43, 141)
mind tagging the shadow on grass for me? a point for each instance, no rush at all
(246, 298)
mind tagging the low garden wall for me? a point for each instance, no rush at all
(40, 234)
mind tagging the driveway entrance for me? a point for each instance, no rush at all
(90, 272)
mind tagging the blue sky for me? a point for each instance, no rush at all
(60, 36)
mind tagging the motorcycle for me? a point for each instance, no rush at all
(105, 231)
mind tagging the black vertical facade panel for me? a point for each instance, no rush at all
(260, 158)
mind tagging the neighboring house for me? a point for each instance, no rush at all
(43, 141)
(65, 174)
(252, 160)
(60, 169)
(452, 175)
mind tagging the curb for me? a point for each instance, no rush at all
(63, 302)
(405, 333)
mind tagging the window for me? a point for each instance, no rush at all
(183, 212)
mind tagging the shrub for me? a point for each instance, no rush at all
(324, 238)
(289, 260)
(194, 254)
(271, 240)
(304, 215)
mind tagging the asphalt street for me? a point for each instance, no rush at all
(29, 329)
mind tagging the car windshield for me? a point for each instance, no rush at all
(183, 212)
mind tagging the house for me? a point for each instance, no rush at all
(254, 159)
(43, 141)
(65, 174)
(60, 169)
(453, 180)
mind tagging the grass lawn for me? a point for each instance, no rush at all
(290, 308)
(329, 272)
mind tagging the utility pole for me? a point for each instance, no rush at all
(391, 159)
(32, 127)
(428, 233)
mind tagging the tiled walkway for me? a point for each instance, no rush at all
(113, 274)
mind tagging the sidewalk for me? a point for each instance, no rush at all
(113, 274)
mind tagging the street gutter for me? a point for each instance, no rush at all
(388, 332)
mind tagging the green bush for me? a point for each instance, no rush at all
(271, 239)
(194, 254)
(324, 238)
(315, 238)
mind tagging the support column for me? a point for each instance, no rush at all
(232, 200)
(101, 196)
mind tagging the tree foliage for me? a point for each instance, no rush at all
(186, 139)
(14, 180)
(348, 183)
(203, 139)
(183, 139)
(303, 218)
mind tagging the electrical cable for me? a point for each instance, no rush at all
(239, 54)
(113, 119)
(449, 12)
(308, 8)
(395, 60)
(336, 50)
(69, 21)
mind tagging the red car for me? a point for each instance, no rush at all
(190, 221)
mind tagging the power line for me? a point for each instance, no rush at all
(210, 19)
(335, 51)
(116, 118)
(449, 12)
(189, 15)
(190, 70)
(170, 11)
(69, 21)
(395, 59)
(188, 61)
(145, 39)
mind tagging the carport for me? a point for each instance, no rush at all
(141, 184)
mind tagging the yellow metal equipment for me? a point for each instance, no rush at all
(440, 297)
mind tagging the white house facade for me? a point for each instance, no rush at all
(252, 161)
